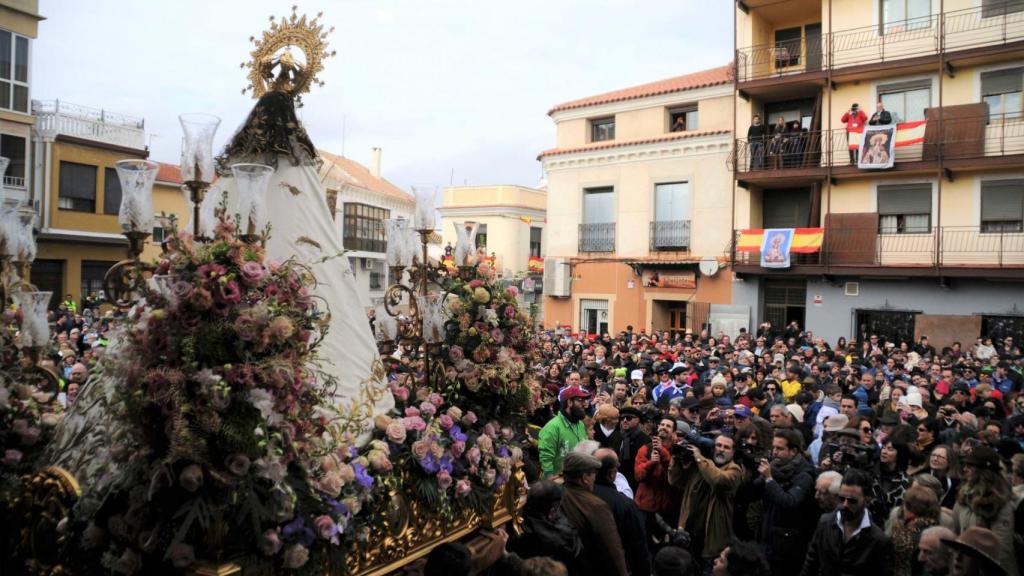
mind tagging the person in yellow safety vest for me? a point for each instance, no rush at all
(70, 303)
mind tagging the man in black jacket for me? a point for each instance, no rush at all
(628, 518)
(787, 486)
(755, 142)
(633, 438)
(846, 541)
(881, 117)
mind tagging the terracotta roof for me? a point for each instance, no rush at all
(702, 79)
(622, 143)
(169, 173)
(355, 174)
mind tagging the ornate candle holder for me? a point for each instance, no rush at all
(251, 182)
(197, 164)
(125, 279)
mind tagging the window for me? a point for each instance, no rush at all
(111, 191)
(535, 241)
(13, 148)
(1002, 206)
(991, 8)
(905, 209)
(481, 236)
(683, 119)
(893, 326)
(603, 129)
(787, 47)
(598, 205)
(13, 72)
(671, 226)
(77, 190)
(903, 15)
(907, 101)
(159, 233)
(364, 227)
(92, 276)
(1001, 90)
(48, 276)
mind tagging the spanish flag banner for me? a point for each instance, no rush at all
(910, 133)
(805, 240)
(526, 220)
(536, 264)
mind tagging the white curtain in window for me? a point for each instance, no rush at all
(888, 224)
(598, 207)
(916, 223)
(672, 202)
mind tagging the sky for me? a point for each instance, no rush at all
(452, 91)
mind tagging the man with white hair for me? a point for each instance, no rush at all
(933, 553)
(590, 447)
(826, 491)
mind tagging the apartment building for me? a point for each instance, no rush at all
(19, 26)
(932, 243)
(510, 226)
(362, 200)
(638, 197)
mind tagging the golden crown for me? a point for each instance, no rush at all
(273, 66)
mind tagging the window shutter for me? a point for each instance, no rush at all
(1002, 200)
(111, 192)
(77, 181)
(905, 199)
(1002, 81)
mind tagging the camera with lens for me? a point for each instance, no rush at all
(681, 451)
(849, 456)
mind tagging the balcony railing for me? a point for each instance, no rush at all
(63, 118)
(14, 181)
(941, 247)
(925, 36)
(598, 237)
(961, 138)
(670, 235)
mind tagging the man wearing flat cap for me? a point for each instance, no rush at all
(593, 519)
(632, 438)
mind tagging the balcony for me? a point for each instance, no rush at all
(599, 237)
(65, 119)
(972, 141)
(669, 235)
(944, 251)
(971, 31)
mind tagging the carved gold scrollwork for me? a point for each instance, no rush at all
(43, 501)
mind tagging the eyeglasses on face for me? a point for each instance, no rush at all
(850, 499)
(627, 417)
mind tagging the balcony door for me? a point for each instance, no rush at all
(593, 316)
(786, 208)
(671, 226)
(597, 230)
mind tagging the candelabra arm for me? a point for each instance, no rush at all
(197, 190)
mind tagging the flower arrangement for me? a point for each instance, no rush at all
(28, 411)
(231, 445)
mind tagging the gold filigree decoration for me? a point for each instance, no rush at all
(44, 500)
(273, 65)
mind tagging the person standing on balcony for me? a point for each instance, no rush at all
(881, 117)
(854, 118)
(755, 142)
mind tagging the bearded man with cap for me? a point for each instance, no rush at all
(632, 438)
(603, 552)
(563, 432)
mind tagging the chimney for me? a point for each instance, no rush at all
(375, 162)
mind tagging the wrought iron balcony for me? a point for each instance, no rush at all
(63, 118)
(961, 139)
(941, 248)
(670, 235)
(599, 237)
(994, 24)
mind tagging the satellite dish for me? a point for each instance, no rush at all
(709, 266)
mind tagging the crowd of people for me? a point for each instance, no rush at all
(771, 453)
(774, 453)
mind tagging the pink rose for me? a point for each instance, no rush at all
(270, 543)
(202, 299)
(396, 432)
(191, 478)
(251, 273)
(444, 480)
(325, 527)
(463, 488)
(414, 423)
(401, 393)
(181, 291)
(455, 353)
(436, 399)
(458, 448)
(485, 443)
(446, 422)
(475, 283)
(469, 419)
(490, 430)
(412, 411)
(455, 412)
(473, 455)
(512, 291)
(348, 473)
(247, 329)
(331, 484)
(422, 393)
(379, 461)
(428, 409)
(420, 448)
(238, 464)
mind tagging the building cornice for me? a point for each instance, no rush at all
(669, 99)
(81, 235)
(713, 145)
(496, 211)
(361, 195)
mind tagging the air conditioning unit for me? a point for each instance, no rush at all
(557, 277)
(852, 289)
(367, 263)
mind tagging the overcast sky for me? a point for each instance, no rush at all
(439, 85)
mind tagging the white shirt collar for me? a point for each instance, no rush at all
(865, 522)
(607, 431)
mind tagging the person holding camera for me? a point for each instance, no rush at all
(786, 484)
(709, 487)
(653, 492)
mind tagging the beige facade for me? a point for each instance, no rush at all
(19, 26)
(957, 66)
(650, 197)
(511, 222)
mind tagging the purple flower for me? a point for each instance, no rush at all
(497, 335)
(210, 272)
(298, 530)
(456, 434)
(251, 273)
(181, 291)
(362, 477)
(446, 421)
(230, 292)
(430, 464)
(456, 353)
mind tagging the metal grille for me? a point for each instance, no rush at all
(670, 235)
(597, 237)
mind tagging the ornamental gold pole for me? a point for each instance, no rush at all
(424, 239)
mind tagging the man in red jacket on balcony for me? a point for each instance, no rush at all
(855, 119)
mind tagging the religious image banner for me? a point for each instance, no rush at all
(775, 247)
(878, 151)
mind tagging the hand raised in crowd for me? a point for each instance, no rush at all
(764, 468)
(656, 449)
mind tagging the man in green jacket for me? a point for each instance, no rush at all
(563, 432)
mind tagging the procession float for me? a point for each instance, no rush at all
(244, 417)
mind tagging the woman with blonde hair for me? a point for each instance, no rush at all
(920, 510)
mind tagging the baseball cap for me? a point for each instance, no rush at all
(636, 375)
(743, 412)
(573, 392)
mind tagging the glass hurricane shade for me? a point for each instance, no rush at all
(4, 162)
(465, 243)
(387, 325)
(10, 231)
(431, 311)
(251, 182)
(424, 218)
(34, 331)
(197, 146)
(137, 178)
(25, 217)
(397, 253)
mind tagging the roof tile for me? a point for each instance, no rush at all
(701, 79)
(639, 142)
(355, 174)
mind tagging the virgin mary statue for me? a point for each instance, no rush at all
(301, 227)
